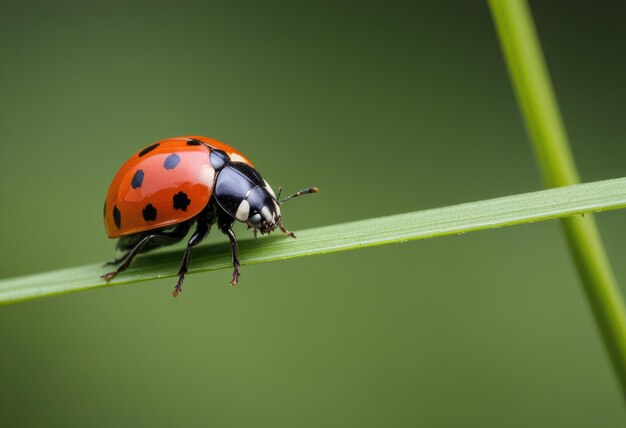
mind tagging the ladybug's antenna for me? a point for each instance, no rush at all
(300, 193)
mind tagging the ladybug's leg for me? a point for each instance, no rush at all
(128, 258)
(226, 226)
(285, 231)
(146, 243)
(201, 232)
(234, 252)
(115, 260)
(204, 222)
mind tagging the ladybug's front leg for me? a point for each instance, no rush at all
(226, 226)
(285, 231)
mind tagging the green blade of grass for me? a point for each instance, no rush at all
(540, 110)
(456, 219)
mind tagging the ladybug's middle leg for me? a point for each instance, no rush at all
(204, 222)
(202, 229)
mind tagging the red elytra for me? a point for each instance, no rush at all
(159, 184)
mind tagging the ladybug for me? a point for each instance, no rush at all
(164, 189)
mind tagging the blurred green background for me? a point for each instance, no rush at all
(388, 107)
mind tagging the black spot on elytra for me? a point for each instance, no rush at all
(148, 149)
(137, 179)
(181, 201)
(117, 217)
(149, 213)
(171, 161)
(194, 143)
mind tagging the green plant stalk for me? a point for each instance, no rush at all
(456, 219)
(539, 107)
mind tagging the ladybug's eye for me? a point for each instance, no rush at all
(255, 219)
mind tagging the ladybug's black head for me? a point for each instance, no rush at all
(246, 196)
(267, 217)
(263, 210)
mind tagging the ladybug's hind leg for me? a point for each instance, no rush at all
(115, 260)
(143, 244)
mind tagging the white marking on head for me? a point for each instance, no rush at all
(266, 214)
(234, 157)
(207, 175)
(243, 211)
(269, 189)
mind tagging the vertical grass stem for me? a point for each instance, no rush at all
(539, 107)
